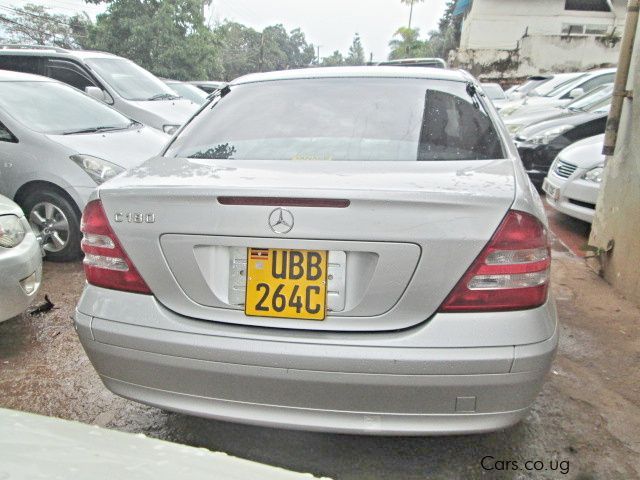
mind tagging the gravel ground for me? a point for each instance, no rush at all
(586, 420)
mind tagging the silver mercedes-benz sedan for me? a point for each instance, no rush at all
(351, 249)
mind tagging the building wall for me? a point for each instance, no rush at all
(616, 228)
(538, 54)
(500, 24)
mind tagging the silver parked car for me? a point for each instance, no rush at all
(56, 145)
(117, 81)
(363, 253)
(20, 261)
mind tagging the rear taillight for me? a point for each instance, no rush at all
(105, 262)
(511, 273)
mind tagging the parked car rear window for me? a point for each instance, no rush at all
(54, 108)
(381, 119)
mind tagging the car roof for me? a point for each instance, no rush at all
(10, 76)
(357, 72)
(44, 51)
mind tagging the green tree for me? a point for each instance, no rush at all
(33, 24)
(334, 60)
(410, 3)
(447, 37)
(240, 49)
(169, 38)
(407, 44)
(356, 52)
(245, 50)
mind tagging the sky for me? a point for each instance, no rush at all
(331, 24)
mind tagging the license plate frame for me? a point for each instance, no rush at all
(286, 283)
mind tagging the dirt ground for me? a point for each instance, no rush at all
(584, 425)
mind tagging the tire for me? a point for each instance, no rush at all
(56, 220)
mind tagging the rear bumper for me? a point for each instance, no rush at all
(327, 382)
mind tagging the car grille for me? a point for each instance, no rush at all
(564, 169)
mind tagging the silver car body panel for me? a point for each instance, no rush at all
(390, 365)
(435, 204)
(17, 264)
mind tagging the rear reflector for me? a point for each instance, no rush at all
(285, 202)
(106, 264)
(511, 273)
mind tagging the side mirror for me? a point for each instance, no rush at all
(96, 93)
(576, 93)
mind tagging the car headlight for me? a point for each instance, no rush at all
(12, 231)
(170, 129)
(547, 136)
(98, 169)
(594, 175)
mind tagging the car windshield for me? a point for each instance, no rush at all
(593, 98)
(129, 80)
(189, 92)
(564, 86)
(55, 108)
(602, 106)
(530, 85)
(381, 119)
(494, 92)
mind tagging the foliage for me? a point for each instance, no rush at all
(406, 43)
(33, 25)
(168, 38)
(356, 52)
(334, 60)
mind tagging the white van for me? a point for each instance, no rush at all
(119, 82)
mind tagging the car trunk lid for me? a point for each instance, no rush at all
(408, 233)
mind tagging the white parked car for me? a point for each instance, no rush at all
(562, 94)
(117, 81)
(574, 179)
(495, 93)
(56, 145)
(350, 249)
(20, 261)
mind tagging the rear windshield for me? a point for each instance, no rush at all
(376, 119)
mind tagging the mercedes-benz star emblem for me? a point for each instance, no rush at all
(281, 221)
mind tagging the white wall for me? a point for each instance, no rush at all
(538, 54)
(617, 220)
(500, 24)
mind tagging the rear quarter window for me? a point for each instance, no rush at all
(371, 119)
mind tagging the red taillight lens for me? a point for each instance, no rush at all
(511, 273)
(105, 262)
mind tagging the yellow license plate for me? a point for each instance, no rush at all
(286, 283)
